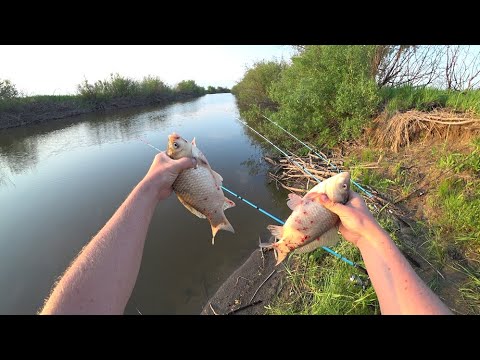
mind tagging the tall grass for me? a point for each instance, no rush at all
(426, 98)
(118, 86)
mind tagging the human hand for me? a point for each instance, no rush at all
(356, 220)
(164, 171)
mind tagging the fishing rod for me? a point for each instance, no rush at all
(352, 263)
(283, 152)
(319, 155)
(293, 161)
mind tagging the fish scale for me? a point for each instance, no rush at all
(207, 198)
(200, 189)
(310, 224)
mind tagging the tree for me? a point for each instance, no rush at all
(7, 90)
(189, 87)
(462, 68)
(396, 65)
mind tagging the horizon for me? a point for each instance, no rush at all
(58, 69)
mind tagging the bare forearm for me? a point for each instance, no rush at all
(398, 287)
(101, 279)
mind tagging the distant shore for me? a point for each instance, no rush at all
(43, 109)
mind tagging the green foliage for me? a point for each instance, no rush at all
(118, 86)
(189, 87)
(328, 91)
(458, 205)
(152, 85)
(462, 162)
(7, 90)
(252, 90)
(405, 98)
(115, 87)
(217, 90)
(320, 284)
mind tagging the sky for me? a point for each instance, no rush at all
(57, 69)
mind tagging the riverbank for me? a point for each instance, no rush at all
(425, 195)
(39, 109)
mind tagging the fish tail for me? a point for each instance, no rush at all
(224, 225)
(281, 254)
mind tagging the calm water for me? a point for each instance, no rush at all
(61, 181)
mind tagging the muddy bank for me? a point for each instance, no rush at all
(250, 288)
(42, 111)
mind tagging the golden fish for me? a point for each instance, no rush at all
(199, 189)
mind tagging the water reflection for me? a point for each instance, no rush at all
(71, 175)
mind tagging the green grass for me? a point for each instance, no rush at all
(407, 97)
(21, 102)
(458, 209)
(320, 284)
(457, 198)
(470, 289)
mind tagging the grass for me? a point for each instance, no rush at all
(456, 199)
(318, 283)
(470, 290)
(424, 99)
(22, 102)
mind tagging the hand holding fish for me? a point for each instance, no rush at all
(355, 218)
(164, 171)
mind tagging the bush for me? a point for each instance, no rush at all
(328, 93)
(118, 86)
(152, 85)
(189, 87)
(252, 90)
(7, 90)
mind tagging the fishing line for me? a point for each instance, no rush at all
(319, 155)
(330, 251)
(293, 161)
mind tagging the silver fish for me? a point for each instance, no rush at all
(199, 189)
(310, 225)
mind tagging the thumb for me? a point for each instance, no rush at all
(184, 163)
(334, 207)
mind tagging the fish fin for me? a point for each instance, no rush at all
(330, 238)
(279, 251)
(225, 225)
(191, 209)
(312, 245)
(294, 201)
(266, 245)
(217, 177)
(276, 231)
(280, 255)
(228, 204)
(198, 155)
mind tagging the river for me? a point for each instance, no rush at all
(61, 181)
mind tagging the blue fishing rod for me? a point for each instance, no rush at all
(319, 155)
(330, 251)
(305, 170)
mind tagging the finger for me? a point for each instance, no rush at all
(184, 163)
(334, 207)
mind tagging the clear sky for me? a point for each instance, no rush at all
(57, 69)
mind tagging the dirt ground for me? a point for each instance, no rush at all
(248, 285)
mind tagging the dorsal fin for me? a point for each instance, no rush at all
(294, 201)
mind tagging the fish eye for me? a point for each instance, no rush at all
(175, 145)
(344, 186)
